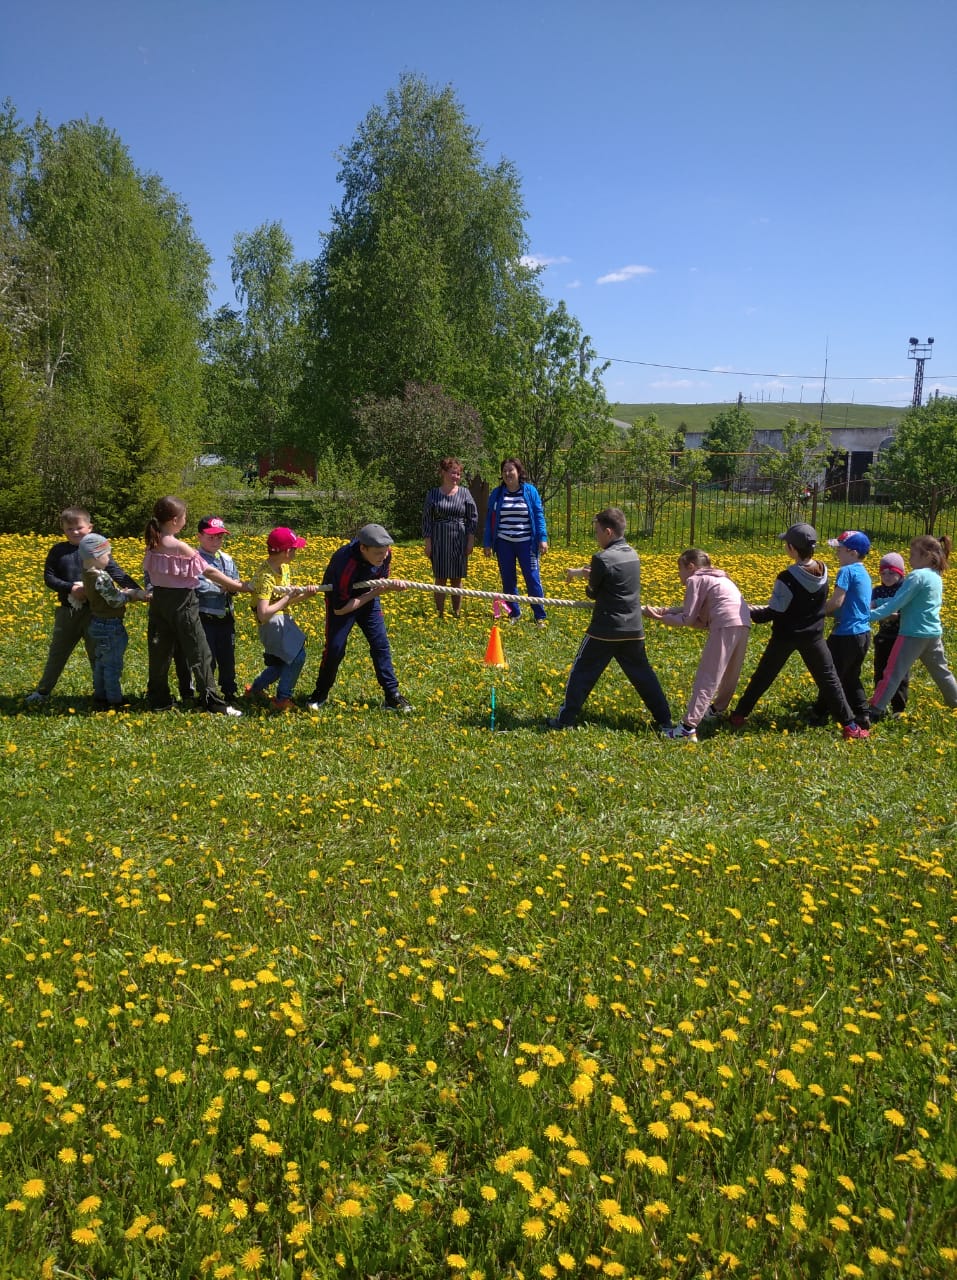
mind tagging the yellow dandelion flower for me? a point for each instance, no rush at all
(88, 1205)
(403, 1202)
(656, 1164)
(581, 1088)
(679, 1111)
(66, 1155)
(894, 1117)
(156, 1232)
(350, 1209)
(732, 1191)
(456, 1261)
(438, 990)
(528, 1079)
(658, 1129)
(533, 1228)
(238, 1208)
(850, 1269)
(488, 1193)
(166, 1160)
(253, 1258)
(776, 1177)
(460, 1216)
(83, 1235)
(323, 1115)
(566, 1261)
(33, 1188)
(879, 1257)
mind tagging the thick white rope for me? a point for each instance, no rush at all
(475, 595)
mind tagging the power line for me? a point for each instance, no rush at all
(750, 373)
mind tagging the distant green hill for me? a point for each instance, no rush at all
(767, 415)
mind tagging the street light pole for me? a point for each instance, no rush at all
(919, 352)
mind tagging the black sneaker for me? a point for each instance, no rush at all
(396, 702)
(317, 701)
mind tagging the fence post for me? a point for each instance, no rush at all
(568, 511)
(694, 509)
(934, 496)
(814, 492)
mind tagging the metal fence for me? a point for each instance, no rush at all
(746, 513)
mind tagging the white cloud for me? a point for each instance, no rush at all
(625, 273)
(538, 260)
(573, 284)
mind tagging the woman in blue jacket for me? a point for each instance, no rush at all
(515, 530)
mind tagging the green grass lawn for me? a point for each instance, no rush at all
(767, 414)
(354, 994)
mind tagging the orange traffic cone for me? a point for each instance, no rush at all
(494, 654)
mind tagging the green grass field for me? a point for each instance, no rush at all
(351, 994)
(768, 415)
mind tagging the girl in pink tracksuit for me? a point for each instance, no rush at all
(712, 603)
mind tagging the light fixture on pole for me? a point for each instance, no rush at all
(919, 352)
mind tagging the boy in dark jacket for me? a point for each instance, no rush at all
(616, 630)
(796, 614)
(63, 573)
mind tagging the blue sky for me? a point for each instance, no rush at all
(751, 185)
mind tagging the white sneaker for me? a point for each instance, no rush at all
(680, 734)
(232, 711)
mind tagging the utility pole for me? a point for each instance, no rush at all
(920, 353)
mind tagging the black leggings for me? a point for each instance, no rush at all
(816, 657)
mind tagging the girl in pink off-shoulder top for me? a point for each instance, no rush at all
(174, 568)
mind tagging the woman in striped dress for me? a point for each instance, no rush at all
(449, 522)
(515, 530)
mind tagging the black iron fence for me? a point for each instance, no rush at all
(670, 516)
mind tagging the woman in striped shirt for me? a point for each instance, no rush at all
(515, 530)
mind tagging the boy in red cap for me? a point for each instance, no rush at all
(283, 640)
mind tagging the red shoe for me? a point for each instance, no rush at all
(282, 704)
(851, 732)
(737, 721)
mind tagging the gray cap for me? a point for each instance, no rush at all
(373, 535)
(803, 537)
(93, 544)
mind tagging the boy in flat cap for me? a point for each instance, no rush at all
(796, 614)
(107, 604)
(367, 558)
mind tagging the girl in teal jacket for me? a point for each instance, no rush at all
(917, 600)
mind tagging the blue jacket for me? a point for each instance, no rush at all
(536, 513)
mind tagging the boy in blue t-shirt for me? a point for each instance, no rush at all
(850, 639)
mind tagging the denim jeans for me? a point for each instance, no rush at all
(511, 557)
(287, 673)
(109, 646)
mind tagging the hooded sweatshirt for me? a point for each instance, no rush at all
(796, 607)
(711, 600)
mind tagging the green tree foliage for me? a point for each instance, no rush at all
(728, 436)
(409, 433)
(920, 463)
(793, 468)
(552, 412)
(19, 420)
(424, 251)
(663, 468)
(100, 271)
(255, 356)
